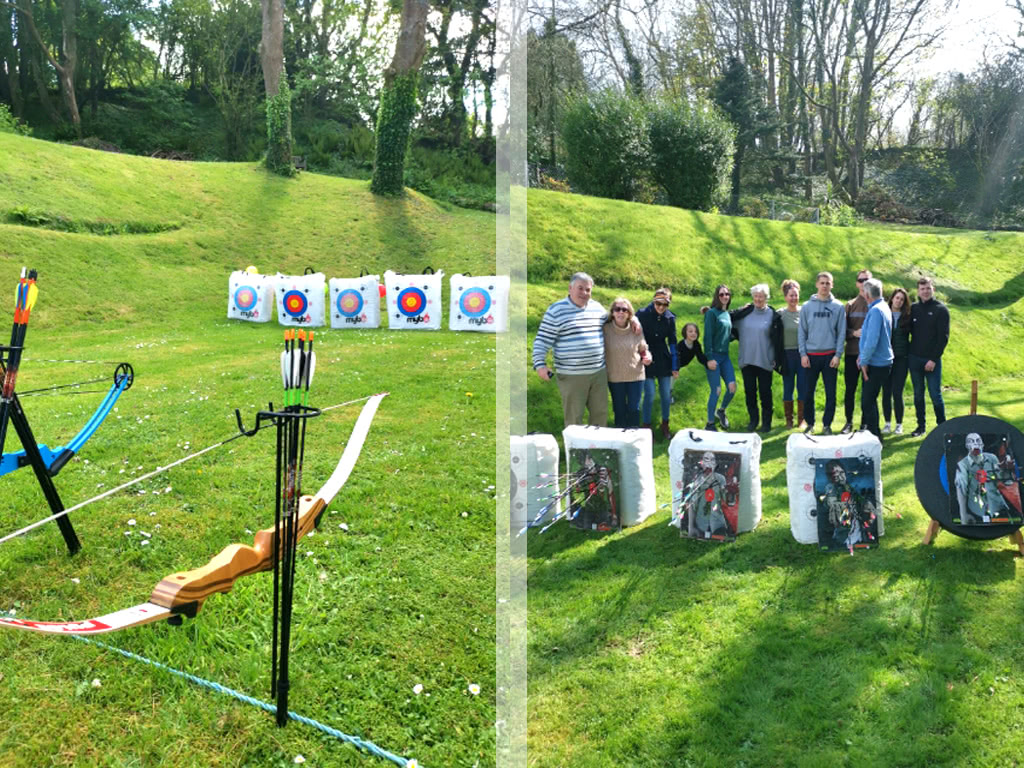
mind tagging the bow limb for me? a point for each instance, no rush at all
(183, 594)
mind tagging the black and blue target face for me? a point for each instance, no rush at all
(295, 303)
(349, 303)
(245, 297)
(412, 302)
(475, 302)
(931, 472)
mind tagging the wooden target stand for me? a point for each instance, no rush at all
(1017, 538)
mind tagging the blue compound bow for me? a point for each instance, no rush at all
(56, 458)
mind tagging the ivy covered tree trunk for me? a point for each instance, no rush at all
(279, 130)
(279, 97)
(398, 101)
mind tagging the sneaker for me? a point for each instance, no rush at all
(847, 429)
(809, 430)
(722, 419)
(710, 427)
(887, 428)
(898, 430)
(826, 431)
(918, 432)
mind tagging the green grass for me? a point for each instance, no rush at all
(650, 650)
(405, 596)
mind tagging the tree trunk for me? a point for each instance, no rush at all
(278, 96)
(398, 100)
(65, 71)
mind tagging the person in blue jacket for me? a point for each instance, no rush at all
(717, 335)
(875, 354)
(659, 326)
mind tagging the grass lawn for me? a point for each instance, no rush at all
(650, 650)
(403, 597)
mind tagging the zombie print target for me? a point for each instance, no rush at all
(413, 301)
(479, 303)
(300, 300)
(355, 302)
(250, 297)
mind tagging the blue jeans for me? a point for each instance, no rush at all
(626, 403)
(795, 373)
(723, 374)
(664, 389)
(919, 376)
(820, 367)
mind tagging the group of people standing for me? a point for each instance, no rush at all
(635, 354)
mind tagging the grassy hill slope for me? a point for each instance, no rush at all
(373, 618)
(648, 650)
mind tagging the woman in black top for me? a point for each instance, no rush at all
(892, 389)
(659, 326)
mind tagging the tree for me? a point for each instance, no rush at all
(734, 93)
(398, 100)
(553, 73)
(278, 97)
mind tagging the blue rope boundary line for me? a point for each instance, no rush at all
(355, 741)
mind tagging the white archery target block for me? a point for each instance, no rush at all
(355, 302)
(300, 300)
(251, 297)
(637, 499)
(801, 453)
(534, 464)
(413, 301)
(747, 445)
(479, 303)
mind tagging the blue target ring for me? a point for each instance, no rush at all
(295, 303)
(246, 297)
(349, 303)
(412, 302)
(475, 302)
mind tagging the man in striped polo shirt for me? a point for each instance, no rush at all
(572, 329)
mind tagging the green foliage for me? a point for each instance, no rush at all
(553, 72)
(159, 116)
(394, 123)
(606, 144)
(838, 214)
(279, 130)
(11, 124)
(34, 217)
(457, 176)
(330, 146)
(691, 150)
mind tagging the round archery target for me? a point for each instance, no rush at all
(295, 303)
(246, 297)
(931, 472)
(349, 303)
(412, 301)
(475, 302)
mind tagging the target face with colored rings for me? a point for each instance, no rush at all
(245, 298)
(412, 302)
(295, 303)
(350, 303)
(475, 302)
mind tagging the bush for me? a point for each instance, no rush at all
(691, 148)
(838, 214)
(11, 124)
(754, 208)
(605, 137)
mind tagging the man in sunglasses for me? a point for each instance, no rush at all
(856, 312)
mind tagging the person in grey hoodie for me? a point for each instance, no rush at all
(821, 337)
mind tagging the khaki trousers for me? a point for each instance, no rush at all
(585, 390)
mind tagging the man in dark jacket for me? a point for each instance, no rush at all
(659, 326)
(929, 334)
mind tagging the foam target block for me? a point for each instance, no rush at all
(632, 475)
(716, 483)
(479, 303)
(413, 301)
(989, 486)
(300, 300)
(251, 297)
(534, 482)
(806, 456)
(355, 302)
